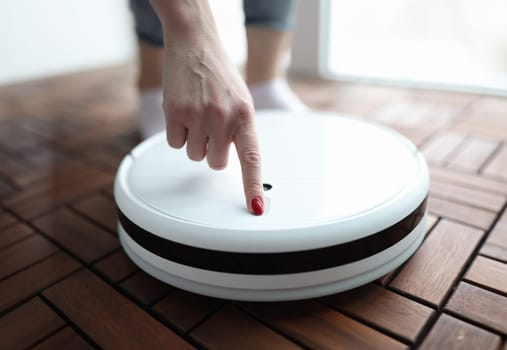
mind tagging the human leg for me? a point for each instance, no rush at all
(268, 27)
(150, 45)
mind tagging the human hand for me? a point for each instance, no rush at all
(208, 107)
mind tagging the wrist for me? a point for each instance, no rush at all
(185, 20)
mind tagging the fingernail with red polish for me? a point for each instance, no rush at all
(257, 206)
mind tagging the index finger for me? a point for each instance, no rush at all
(249, 156)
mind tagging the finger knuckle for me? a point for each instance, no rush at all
(218, 109)
(252, 158)
(244, 111)
(253, 188)
(171, 107)
(183, 112)
(167, 105)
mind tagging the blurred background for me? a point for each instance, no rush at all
(454, 44)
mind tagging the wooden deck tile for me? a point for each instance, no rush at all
(116, 267)
(6, 219)
(480, 128)
(386, 279)
(497, 167)
(145, 288)
(43, 176)
(417, 136)
(466, 214)
(469, 180)
(472, 154)
(62, 138)
(432, 271)
(6, 189)
(12, 167)
(488, 273)
(64, 339)
(28, 324)
(53, 183)
(233, 329)
(185, 310)
(20, 255)
(112, 321)
(468, 196)
(107, 158)
(431, 222)
(100, 209)
(14, 234)
(34, 278)
(319, 327)
(496, 244)
(479, 306)
(490, 111)
(50, 200)
(88, 241)
(450, 333)
(439, 148)
(109, 191)
(384, 309)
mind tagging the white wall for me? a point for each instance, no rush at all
(40, 38)
(47, 37)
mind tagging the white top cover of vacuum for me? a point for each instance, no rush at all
(334, 179)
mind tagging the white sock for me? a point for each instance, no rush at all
(276, 94)
(273, 94)
(151, 115)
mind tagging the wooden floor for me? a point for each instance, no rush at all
(65, 282)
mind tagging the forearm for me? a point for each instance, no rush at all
(185, 19)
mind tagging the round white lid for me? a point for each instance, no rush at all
(334, 179)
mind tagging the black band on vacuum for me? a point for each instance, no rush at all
(274, 263)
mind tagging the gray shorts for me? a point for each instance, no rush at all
(273, 14)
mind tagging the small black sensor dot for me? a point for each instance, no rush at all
(266, 187)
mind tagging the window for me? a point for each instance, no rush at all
(459, 44)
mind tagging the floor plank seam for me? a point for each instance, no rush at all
(492, 258)
(12, 184)
(428, 326)
(446, 161)
(457, 221)
(367, 323)
(471, 258)
(36, 293)
(59, 245)
(441, 308)
(436, 134)
(272, 328)
(68, 321)
(18, 240)
(29, 265)
(411, 297)
(457, 201)
(43, 339)
(472, 322)
(209, 315)
(140, 305)
(71, 207)
(485, 287)
(490, 157)
(395, 272)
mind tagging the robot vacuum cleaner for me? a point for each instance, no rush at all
(345, 203)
